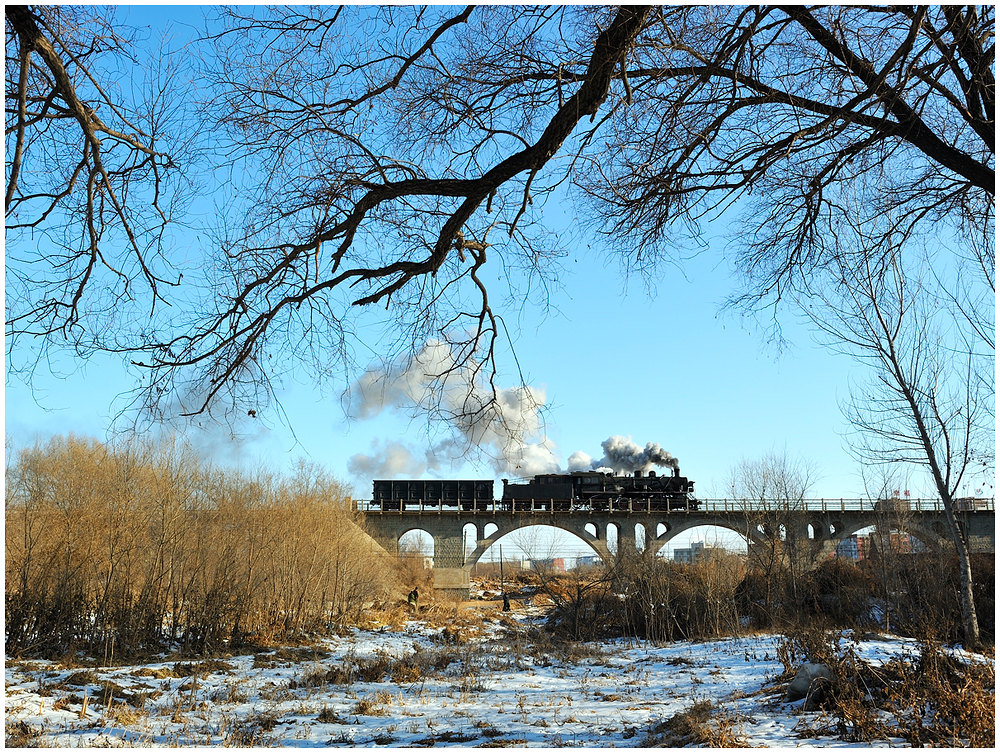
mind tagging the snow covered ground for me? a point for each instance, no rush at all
(422, 686)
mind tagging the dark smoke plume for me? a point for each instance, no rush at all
(622, 455)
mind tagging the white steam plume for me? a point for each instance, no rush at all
(509, 430)
(388, 460)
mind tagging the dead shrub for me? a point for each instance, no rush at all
(122, 551)
(251, 732)
(21, 735)
(920, 592)
(125, 715)
(448, 736)
(329, 716)
(82, 678)
(941, 701)
(702, 725)
(935, 700)
(839, 593)
(159, 673)
(201, 669)
(373, 706)
(406, 671)
(297, 655)
(350, 670)
(374, 669)
(662, 600)
(230, 693)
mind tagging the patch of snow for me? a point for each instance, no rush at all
(495, 689)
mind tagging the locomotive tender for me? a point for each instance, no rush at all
(579, 490)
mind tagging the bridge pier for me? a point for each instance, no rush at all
(626, 540)
(451, 576)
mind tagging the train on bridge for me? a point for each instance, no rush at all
(556, 492)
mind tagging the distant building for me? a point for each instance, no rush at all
(557, 564)
(692, 554)
(863, 547)
(588, 560)
(853, 548)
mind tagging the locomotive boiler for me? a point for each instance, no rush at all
(557, 492)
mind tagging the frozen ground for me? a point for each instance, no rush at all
(433, 687)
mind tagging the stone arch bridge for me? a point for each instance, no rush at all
(823, 524)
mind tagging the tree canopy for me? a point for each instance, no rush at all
(382, 157)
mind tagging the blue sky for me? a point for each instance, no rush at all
(612, 358)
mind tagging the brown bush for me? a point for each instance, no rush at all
(21, 735)
(702, 725)
(765, 597)
(934, 700)
(922, 595)
(648, 597)
(127, 549)
(839, 593)
(943, 702)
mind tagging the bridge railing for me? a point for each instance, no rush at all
(546, 506)
(842, 505)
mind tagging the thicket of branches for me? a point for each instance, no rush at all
(386, 156)
(138, 548)
(724, 595)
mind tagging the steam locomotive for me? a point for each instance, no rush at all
(580, 490)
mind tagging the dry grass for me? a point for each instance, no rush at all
(251, 732)
(935, 700)
(702, 725)
(125, 715)
(329, 716)
(82, 678)
(373, 706)
(444, 737)
(942, 702)
(21, 735)
(200, 669)
(285, 655)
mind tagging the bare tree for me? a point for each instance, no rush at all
(883, 484)
(398, 157)
(382, 186)
(928, 401)
(92, 176)
(772, 491)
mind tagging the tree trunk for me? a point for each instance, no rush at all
(970, 620)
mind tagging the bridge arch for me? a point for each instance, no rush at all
(593, 540)
(416, 535)
(669, 530)
(934, 536)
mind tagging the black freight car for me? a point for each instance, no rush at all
(400, 493)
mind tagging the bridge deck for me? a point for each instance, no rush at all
(703, 505)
